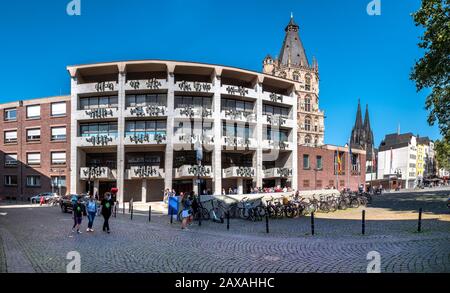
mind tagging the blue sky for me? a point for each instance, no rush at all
(360, 56)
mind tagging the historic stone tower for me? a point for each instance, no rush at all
(293, 64)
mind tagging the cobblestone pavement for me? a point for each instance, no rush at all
(39, 238)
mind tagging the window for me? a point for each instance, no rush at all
(305, 162)
(296, 76)
(305, 183)
(33, 159)
(307, 124)
(11, 136)
(307, 139)
(151, 128)
(308, 104)
(275, 110)
(10, 160)
(184, 101)
(10, 180)
(146, 100)
(319, 163)
(59, 109)
(319, 184)
(34, 134)
(58, 133)
(58, 181)
(98, 129)
(10, 114)
(342, 183)
(308, 82)
(33, 181)
(98, 102)
(33, 112)
(58, 158)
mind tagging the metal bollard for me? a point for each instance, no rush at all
(267, 222)
(419, 225)
(363, 222)
(228, 220)
(123, 210)
(199, 218)
(115, 211)
(171, 215)
(132, 208)
(149, 213)
(312, 223)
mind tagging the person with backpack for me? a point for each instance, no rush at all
(107, 205)
(78, 215)
(91, 211)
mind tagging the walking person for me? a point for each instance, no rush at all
(107, 204)
(186, 214)
(77, 215)
(91, 211)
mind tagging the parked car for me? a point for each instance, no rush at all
(67, 205)
(448, 202)
(47, 196)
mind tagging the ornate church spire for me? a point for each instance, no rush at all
(292, 52)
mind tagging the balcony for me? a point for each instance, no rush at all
(97, 87)
(188, 113)
(144, 172)
(239, 172)
(97, 114)
(239, 142)
(96, 141)
(145, 139)
(278, 120)
(240, 116)
(193, 86)
(278, 173)
(146, 84)
(193, 171)
(276, 144)
(93, 173)
(190, 139)
(238, 91)
(146, 111)
(276, 98)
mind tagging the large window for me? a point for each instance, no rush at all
(58, 109)
(237, 105)
(11, 160)
(307, 82)
(196, 102)
(308, 104)
(234, 130)
(58, 133)
(307, 139)
(58, 181)
(279, 135)
(319, 163)
(308, 124)
(140, 128)
(33, 159)
(275, 110)
(33, 181)
(58, 158)
(34, 134)
(10, 136)
(146, 100)
(10, 180)
(306, 162)
(33, 112)
(10, 114)
(98, 129)
(98, 102)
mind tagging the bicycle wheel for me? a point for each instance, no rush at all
(332, 206)
(290, 211)
(354, 203)
(204, 214)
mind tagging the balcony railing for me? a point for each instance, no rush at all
(98, 113)
(146, 84)
(278, 173)
(97, 140)
(191, 112)
(193, 139)
(239, 91)
(193, 86)
(243, 116)
(97, 87)
(145, 172)
(278, 120)
(276, 144)
(277, 98)
(193, 171)
(157, 138)
(239, 172)
(146, 111)
(239, 142)
(91, 173)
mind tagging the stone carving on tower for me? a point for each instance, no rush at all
(293, 64)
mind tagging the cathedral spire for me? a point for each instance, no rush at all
(367, 119)
(358, 122)
(292, 50)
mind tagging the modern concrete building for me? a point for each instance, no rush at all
(34, 147)
(135, 126)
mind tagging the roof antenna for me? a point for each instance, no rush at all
(398, 129)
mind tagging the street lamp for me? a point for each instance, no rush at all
(199, 157)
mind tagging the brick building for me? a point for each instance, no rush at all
(34, 147)
(319, 168)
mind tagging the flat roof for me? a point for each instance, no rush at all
(32, 101)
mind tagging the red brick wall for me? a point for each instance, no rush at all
(312, 179)
(45, 147)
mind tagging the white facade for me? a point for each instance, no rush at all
(246, 122)
(399, 161)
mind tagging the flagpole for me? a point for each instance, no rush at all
(348, 162)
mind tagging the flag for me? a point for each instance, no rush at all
(392, 158)
(339, 162)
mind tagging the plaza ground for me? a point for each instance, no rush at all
(37, 239)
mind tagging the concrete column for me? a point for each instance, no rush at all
(217, 152)
(259, 137)
(168, 166)
(277, 182)
(121, 134)
(195, 186)
(73, 132)
(144, 190)
(97, 187)
(240, 185)
(294, 156)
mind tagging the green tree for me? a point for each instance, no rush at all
(442, 149)
(433, 69)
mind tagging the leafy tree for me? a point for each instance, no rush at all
(442, 149)
(433, 69)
